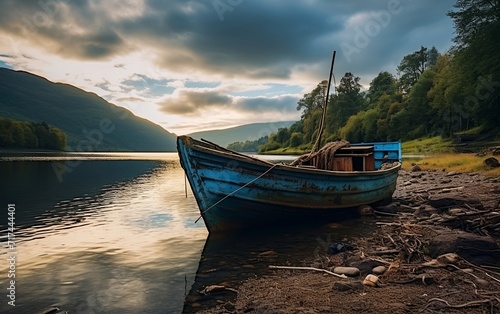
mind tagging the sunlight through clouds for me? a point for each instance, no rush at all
(178, 64)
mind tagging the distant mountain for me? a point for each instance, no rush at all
(247, 132)
(90, 122)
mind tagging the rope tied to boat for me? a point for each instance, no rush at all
(234, 192)
(322, 159)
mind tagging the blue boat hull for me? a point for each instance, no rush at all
(234, 191)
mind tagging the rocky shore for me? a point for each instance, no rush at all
(436, 250)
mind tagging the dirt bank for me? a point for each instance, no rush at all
(436, 250)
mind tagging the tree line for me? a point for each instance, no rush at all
(248, 146)
(23, 134)
(433, 93)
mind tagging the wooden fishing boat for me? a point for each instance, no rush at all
(235, 190)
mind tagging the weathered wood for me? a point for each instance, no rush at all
(307, 268)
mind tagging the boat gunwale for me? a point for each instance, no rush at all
(258, 161)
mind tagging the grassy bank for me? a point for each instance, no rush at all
(452, 162)
(440, 155)
(427, 146)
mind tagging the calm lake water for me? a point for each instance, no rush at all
(115, 233)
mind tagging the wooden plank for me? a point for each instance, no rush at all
(370, 163)
(342, 164)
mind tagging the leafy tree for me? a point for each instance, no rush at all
(41, 131)
(18, 134)
(314, 100)
(268, 146)
(472, 18)
(369, 125)
(56, 139)
(30, 139)
(477, 25)
(447, 98)
(347, 102)
(411, 67)
(6, 139)
(349, 84)
(311, 124)
(432, 57)
(416, 118)
(352, 130)
(296, 139)
(383, 83)
(282, 136)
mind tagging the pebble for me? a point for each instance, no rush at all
(348, 271)
(415, 168)
(379, 270)
(365, 210)
(370, 280)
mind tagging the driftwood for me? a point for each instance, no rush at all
(481, 222)
(308, 268)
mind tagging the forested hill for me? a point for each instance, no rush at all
(242, 133)
(435, 93)
(89, 122)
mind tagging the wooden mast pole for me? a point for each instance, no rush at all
(323, 117)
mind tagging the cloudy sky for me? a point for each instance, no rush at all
(193, 65)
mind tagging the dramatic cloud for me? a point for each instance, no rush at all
(191, 102)
(199, 60)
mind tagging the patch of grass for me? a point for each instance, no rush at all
(427, 146)
(476, 130)
(452, 162)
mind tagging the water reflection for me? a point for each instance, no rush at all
(114, 236)
(35, 187)
(117, 235)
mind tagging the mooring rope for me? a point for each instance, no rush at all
(234, 192)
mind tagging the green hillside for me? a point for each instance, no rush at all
(247, 132)
(90, 122)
